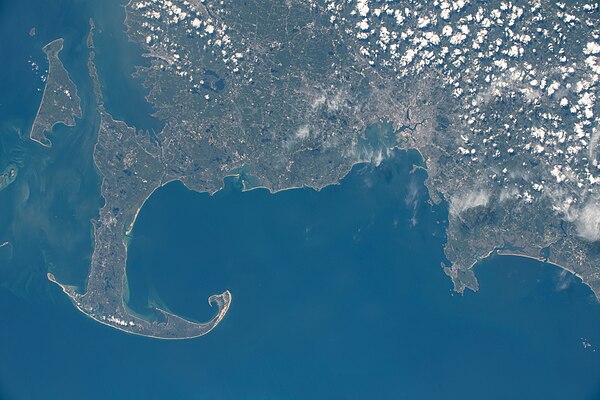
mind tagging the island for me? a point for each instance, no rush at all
(499, 99)
(8, 176)
(60, 101)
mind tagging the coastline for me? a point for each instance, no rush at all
(245, 188)
(68, 123)
(219, 317)
(49, 144)
(542, 260)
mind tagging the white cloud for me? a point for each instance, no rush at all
(588, 221)
(465, 201)
(303, 132)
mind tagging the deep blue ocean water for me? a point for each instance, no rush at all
(337, 294)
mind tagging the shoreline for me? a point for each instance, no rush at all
(219, 316)
(79, 115)
(245, 189)
(543, 261)
(514, 253)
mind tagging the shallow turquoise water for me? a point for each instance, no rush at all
(337, 294)
(48, 208)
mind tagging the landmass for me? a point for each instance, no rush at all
(128, 161)
(499, 98)
(60, 102)
(8, 176)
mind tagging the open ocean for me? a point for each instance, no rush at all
(337, 294)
